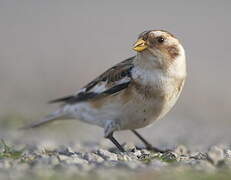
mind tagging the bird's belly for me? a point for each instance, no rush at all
(140, 112)
(138, 115)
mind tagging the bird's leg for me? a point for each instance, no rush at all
(146, 143)
(109, 128)
(115, 142)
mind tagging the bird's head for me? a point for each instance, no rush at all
(160, 44)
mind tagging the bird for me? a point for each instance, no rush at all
(133, 93)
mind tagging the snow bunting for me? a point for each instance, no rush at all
(132, 94)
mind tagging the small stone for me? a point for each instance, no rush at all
(228, 153)
(106, 155)
(76, 160)
(125, 157)
(129, 147)
(92, 158)
(137, 153)
(66, 151)
(128, 156)
(216, 155)
(145, 155)
(181, 150)
(63, 157)
(169, 156)
(145, 152)
(48, 145)
(184, 158)
(198, 156)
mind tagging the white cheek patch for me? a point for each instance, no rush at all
(172, 41)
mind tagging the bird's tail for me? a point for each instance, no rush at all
(57, 115)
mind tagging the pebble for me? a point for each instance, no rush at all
(106, 155)
(73, 159)
(198, 156)
(65, 151)
(92, 158)
(169, 156)
(66, 159)
(181, 150)
(227, 153)
(145, 152)
(126, 157)
(216, 155)
(129, 147)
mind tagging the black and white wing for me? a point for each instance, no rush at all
(110, 82)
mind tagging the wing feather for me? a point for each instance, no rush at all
(110, 82)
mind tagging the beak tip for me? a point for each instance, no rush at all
(134, 48)
(140, 45)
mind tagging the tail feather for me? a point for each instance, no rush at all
(57, 115)
(63, 99)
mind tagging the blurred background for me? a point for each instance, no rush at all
(49, 49)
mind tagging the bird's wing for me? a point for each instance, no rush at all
(110, 82)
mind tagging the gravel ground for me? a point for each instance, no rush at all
(53, 162)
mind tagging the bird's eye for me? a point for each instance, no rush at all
(160, 39)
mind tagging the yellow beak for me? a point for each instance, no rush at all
(140, 45)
